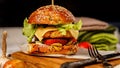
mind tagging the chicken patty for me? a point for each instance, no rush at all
(57, 34)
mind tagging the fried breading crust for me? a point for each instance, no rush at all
(57, 34)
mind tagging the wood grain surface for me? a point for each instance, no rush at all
(48, 62)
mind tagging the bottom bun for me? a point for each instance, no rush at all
(38, 49)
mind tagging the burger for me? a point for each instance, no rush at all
(51, 29)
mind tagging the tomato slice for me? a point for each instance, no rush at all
(84, 45)
(51, 41)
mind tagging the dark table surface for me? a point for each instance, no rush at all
(12, 12)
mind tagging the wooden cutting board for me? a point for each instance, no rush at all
(49, 62)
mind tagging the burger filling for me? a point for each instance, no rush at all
(40, 31)
(51, 35)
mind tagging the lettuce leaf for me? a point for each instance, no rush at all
(28, 30)
(64, 28)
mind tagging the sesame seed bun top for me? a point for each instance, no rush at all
(52, 15)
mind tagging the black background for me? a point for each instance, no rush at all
(13, 12)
